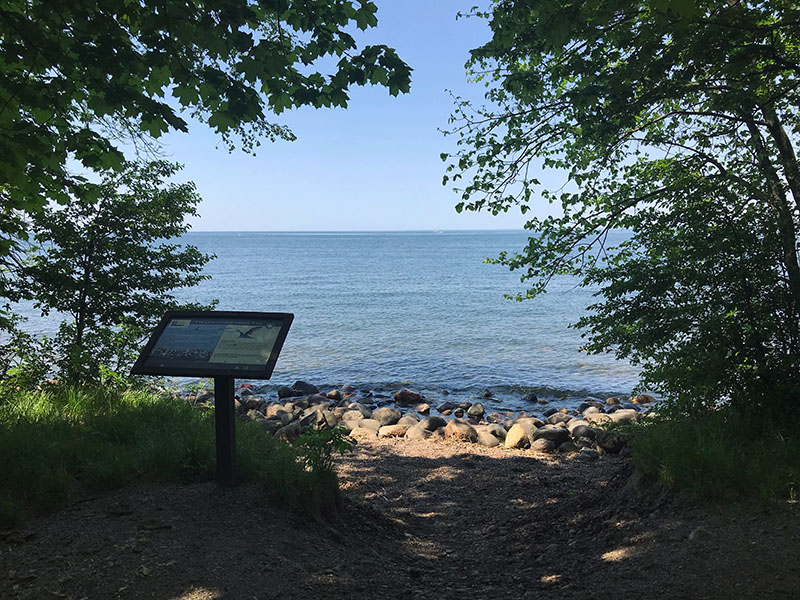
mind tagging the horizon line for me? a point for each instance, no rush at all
(433, 230)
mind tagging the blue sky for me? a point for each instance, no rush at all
(373, 166)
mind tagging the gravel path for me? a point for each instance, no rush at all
(424, 520)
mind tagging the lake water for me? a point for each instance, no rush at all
(386, 310)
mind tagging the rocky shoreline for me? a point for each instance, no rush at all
(408, 414)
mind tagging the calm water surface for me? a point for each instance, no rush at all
(419, 309)
(385, 310)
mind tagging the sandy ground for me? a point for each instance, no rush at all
(423, 520)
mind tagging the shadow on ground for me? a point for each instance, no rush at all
(427, 520)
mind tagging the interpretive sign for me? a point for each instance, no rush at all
(210, 343)
(222, 345)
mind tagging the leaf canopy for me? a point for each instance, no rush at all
(77, 79)
(677, 122)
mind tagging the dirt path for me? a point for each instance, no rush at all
(424, 520)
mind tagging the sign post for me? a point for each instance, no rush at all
(222, 345)
(225, 426)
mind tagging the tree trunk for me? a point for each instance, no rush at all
(784, 221)
(785, 150)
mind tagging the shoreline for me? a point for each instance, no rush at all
(408, 414)
(502, 398)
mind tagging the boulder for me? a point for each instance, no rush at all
(567, 447)
(624, 416)
(353, 415)
(612, 401)
(305, 389)
(609, 441)
(318, 399)
(407, 397)
(417, 433)
(322, 417)
(408, 419)
(530, 397)
(591, 410)
(334, 395)
(582, 430)
(446, 406)
(398, 430)
(254, 415)
(423, 408)
(432, 423)
(349, 425)
(549, 411)
(362, 433)
(596, 418)
(437, 434)
(496, 430)
(558, 417)
(386, 415)
(360, 408)
(271, 426)
(460, 431)
(273, 408)
(517, 436)
(532, 421)
(372, 424)
(643, 399)
(487, 439)
(458, 413)
(495, 417)
(475, 411)
(584, 442)
(557, 435)
(287, 392)
(588, 454)
(289, 433)
(251, 402)
(543, 445)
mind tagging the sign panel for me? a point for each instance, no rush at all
(215, 343)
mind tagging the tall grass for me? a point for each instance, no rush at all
(722, 454)
(61, 444)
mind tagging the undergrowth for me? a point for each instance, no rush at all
(66, 443)
(722, 454)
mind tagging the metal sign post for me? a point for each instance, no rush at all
(225, 426)
(222, 345)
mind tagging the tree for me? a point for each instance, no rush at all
(678, 126)
(78, 79)
(108, 261)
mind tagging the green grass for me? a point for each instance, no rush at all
(67, 443)
(722, 454)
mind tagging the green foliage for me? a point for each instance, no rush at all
(68, 441)
(676, 122)
(722, 454)
(109, 263)
(318, 445)
(75, 79)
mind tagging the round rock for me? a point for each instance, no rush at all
(517, 436)
(386, 415)
(543, 445)
(398, 430)
(460, 431)
(407, 397)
